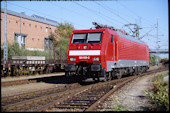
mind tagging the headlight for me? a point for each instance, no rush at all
(72, 59)
(96, 59)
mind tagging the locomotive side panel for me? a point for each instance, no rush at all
(129, 50)
(129, 53)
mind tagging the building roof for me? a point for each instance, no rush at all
(33, 17)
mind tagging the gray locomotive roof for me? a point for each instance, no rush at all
(33, 17)
(130, 38)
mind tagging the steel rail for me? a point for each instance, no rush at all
(11, 102)
(84, 99)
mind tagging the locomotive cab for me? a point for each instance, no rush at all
(85, 53)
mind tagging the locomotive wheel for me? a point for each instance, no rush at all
(96, 76)
(104, 74)
(66, 73)
(108, 76)
(96, 80)
(136, 71)
(112, 75)
(140, 70)
(119, 74)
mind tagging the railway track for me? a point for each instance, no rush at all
(70, 97)
(32, 100)
(85, 100)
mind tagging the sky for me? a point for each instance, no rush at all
(117, 13)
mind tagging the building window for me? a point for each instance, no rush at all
(30, 25)
(50, 29)
(46, 29)
(20, 39)
(47, 43)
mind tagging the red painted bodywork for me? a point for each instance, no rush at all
(120, 49)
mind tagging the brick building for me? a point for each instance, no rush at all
(32, 32)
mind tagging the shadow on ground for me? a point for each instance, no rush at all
(63, 80)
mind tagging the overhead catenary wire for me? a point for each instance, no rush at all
(43, 13)
(72, 11)
(146, 20)
(98, 13)
(132, 12)
(112, 12)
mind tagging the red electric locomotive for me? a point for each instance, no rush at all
(105, 52)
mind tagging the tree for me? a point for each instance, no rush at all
(62, 31)
(163, 60)
(61, 38)
(153, 59)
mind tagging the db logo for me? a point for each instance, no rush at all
(85, 47)
(84, 57)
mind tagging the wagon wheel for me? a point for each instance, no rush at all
(41, 70)
(2, 72)
(20, 71)
(23, 71)
(47, 70)
(15, 71)
(27, 70)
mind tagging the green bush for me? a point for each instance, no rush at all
(15, 50)
(160, 96)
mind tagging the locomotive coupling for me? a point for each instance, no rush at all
(96, 67)
(70, 67)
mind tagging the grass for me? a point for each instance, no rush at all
(160, 94)
(120, 108)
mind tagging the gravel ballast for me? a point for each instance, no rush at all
(131, 97)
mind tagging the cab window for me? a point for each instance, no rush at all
(87, 37)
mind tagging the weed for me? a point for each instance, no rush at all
(160, 94)
(120, 108)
